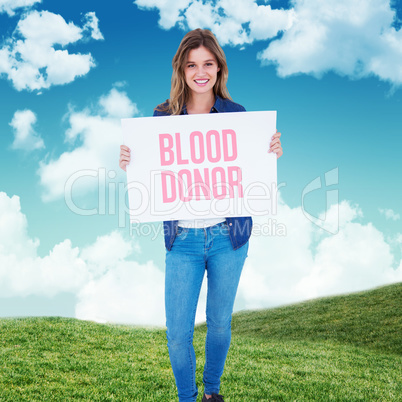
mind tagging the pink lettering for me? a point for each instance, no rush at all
(180, 161)
(235, 170)
(166, 150)
(218, 183)
(226, 156)
(217, 157)
(167, 175)
(188, 183)
(193, 136)
(183, 187)
(202, 183)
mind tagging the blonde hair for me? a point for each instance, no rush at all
(179, 92)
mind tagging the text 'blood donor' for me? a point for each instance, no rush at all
(188, 183)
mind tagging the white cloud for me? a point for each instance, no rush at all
(121, 290)
(9, 6)
(106, 252)
(99, 135)
(238, 22)
(117, 105)
(124, 291)
(389, 214)
(357, 258)
(130, 293)
(25, 137)
(92, 25)
(22, 271)
(30, 58)
(108, 286)
(352, 38)
(232, 21)
(295, 267)
(170, 10)
(111, 287)
(279, 269)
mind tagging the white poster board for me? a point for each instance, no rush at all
(201, 166)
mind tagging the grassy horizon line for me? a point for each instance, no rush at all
(340, 348)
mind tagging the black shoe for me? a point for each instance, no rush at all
(214, 397)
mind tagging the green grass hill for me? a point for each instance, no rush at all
(343, 348)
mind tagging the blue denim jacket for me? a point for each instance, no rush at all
(239, 227)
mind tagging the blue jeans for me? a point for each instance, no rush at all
(195, 251)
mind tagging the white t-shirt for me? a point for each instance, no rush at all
(200, 223)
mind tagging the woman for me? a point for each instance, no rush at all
(218, 246)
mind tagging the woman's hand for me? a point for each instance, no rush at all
(275, 145)
(124, 156)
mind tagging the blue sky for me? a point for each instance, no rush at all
(70, 70)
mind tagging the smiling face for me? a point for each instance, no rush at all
(201, 70)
